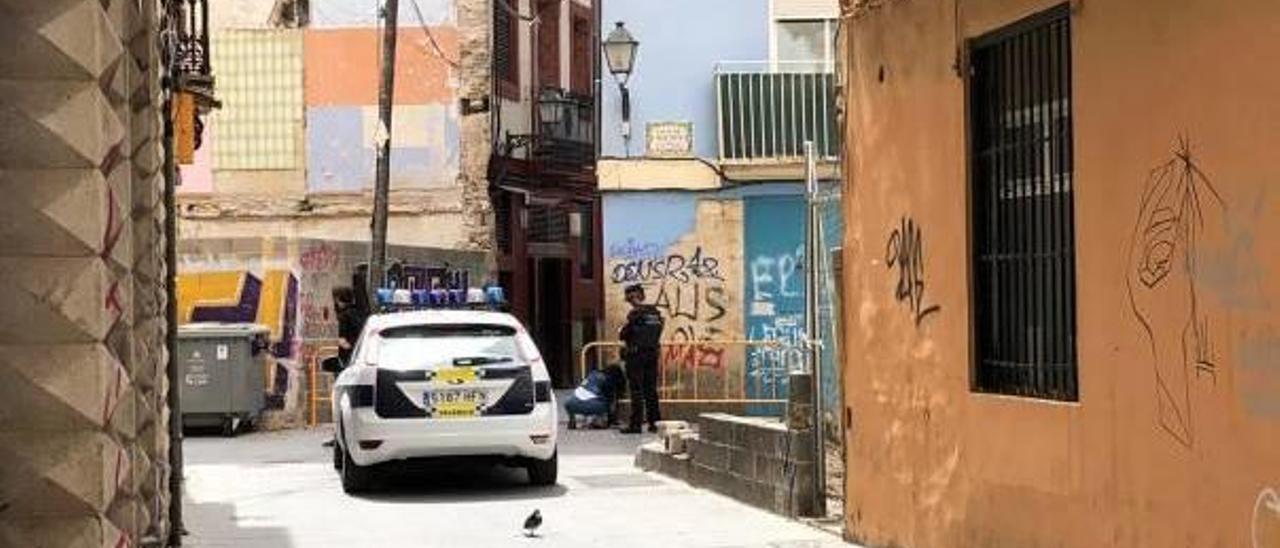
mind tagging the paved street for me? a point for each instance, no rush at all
(279, 490)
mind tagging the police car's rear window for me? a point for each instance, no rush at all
(417, 345)
(446, 330)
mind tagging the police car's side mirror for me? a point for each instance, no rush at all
(332, 364)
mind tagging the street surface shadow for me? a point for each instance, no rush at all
(455, 482)
(219, 526)
(593, 442)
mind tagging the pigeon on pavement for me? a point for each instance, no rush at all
(532, 523)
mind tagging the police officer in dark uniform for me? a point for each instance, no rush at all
(642, 335)
(350, 321)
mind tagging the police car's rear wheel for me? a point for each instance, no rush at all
(543, 472)
(355, 478)
(337, 455)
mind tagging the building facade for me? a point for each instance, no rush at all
(84, 421)
(276, 204)
(478, 164)
(542, 172)
(291, 152)
(704, 204)
(1059, 287)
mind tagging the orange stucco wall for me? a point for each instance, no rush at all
(342, 66)
(931, 464)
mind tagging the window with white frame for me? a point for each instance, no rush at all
(805, 44)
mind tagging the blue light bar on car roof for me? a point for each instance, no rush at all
(422, 299)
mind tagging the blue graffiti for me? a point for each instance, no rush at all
(633, 249)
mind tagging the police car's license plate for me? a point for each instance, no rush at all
(454, 403)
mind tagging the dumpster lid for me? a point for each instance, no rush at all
(218, 329)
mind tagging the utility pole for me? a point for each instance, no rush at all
(382, 183)
(812, 328)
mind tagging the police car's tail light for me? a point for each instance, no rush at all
(370, 445)
(540, 439)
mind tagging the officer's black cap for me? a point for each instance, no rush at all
(634, 288)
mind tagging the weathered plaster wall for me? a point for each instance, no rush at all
(342, 110)
(439, 157)
(720, 265)
(286, 283)
(688, 255)
(475, 85)
(931, 464)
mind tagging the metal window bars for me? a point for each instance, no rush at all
(767, 110)
(1022, 209)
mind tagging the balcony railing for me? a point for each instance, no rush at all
(767, 110)
(566, 129)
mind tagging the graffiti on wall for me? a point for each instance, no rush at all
(1161, 280)
(775, 293)
(687, 255)
(691, 296)
(677, 267)
(688, 288)
(632, 249)
(777, 316)
(694, 312)
(239, 296)
(319, 262)
(1264, 528)
(905, 253)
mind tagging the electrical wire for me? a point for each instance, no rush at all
(439, 52)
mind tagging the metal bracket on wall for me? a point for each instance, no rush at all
(473, 105)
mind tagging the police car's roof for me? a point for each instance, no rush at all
(429, 317)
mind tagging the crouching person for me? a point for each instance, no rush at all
(596, 397)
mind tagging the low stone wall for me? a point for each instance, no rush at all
(755, 460)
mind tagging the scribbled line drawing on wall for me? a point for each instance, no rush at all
(1264, 530)
(905, 251)
(1161, 281)
(677, 267)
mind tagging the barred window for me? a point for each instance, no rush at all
(1023, 218)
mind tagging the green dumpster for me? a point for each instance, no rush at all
(223, 378)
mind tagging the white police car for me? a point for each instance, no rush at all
(442, 383)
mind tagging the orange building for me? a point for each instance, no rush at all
(1061, 279)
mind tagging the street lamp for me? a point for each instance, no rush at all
(550, 106)
(620, 53)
